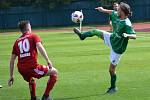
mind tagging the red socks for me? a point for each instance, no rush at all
(50, 84)
(32, 86)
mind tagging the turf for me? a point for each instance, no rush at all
(83, 69)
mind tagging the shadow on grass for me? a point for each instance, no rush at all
(80, 97)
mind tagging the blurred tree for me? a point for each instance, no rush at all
(47, 3)
(108, 3)
(52, 3)
(42, 3)
(4, 4)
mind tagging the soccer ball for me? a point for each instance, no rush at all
(77, 16)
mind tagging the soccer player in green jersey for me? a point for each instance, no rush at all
(117, 41)
(115, 7)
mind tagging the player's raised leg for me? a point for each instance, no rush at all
(83, 35)
(53, 74)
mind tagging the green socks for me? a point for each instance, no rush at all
(91, 33)
(113, 81)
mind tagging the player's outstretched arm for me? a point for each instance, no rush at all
(101, 9)
(43, 53)
(12, 61)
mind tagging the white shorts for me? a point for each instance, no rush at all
(114, 57)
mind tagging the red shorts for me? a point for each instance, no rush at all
(38, 72)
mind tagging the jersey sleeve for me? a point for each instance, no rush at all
(130, 30)
(36, 38)
(113, 15)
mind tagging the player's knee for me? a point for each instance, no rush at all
(54, 72)
(112, 69)
(112, 72)
(31, 80)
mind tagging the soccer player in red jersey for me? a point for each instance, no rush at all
(25, 48)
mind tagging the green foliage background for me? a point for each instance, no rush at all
(45, 3)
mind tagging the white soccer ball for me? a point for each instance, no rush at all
(77, 17)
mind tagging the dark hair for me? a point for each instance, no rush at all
(23, 25)
(125, 8)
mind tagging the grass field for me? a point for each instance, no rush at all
(83, 69)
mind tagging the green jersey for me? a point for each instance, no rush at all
(113, 18)
(118, 42)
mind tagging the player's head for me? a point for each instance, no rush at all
(24, 26)
(125, 9)
(115, 6)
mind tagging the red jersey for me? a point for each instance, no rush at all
(25, 49)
